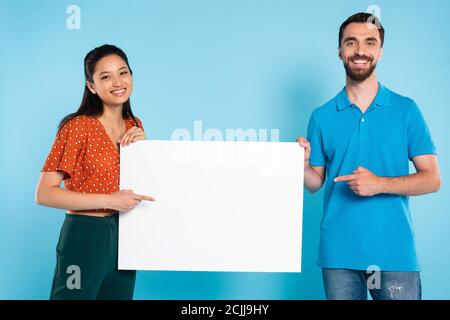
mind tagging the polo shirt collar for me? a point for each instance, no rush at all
(382, 98)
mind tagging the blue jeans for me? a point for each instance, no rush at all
(346, 284)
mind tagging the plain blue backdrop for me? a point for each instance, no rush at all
(230, 64)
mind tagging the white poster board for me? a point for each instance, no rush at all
(220, 206)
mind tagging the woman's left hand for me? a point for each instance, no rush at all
(132, 135)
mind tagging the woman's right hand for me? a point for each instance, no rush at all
(305, 144)
(126, 200)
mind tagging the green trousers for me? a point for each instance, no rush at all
(86, 261)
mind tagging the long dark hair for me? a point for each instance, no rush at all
(92, 105)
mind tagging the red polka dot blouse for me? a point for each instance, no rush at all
(85, 153)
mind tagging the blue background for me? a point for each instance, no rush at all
(231, 64)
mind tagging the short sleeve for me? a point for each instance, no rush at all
(419, 137)
(140, 123)
(67, 148)
(314, 136)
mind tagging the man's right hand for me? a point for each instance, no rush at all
(314, 175)
(305, 144)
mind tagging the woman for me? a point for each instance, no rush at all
(85, 155)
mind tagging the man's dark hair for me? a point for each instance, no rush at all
(362, 17)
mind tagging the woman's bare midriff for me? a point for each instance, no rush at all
(91, 214)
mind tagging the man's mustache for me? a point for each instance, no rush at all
(360, 57)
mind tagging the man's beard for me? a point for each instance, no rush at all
(361, 74)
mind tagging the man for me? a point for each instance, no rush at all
(361, 141)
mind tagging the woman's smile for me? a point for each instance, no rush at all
(119, 92)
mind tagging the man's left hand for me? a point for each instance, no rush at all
(363, 182)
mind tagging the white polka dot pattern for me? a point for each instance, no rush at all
(85, 153)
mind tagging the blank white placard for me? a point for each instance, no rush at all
(221, 206)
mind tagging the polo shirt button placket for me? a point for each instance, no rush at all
(363, 130)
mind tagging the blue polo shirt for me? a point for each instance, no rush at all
(358, 232)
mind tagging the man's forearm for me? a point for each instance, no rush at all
(412, 185)
(313, 181)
